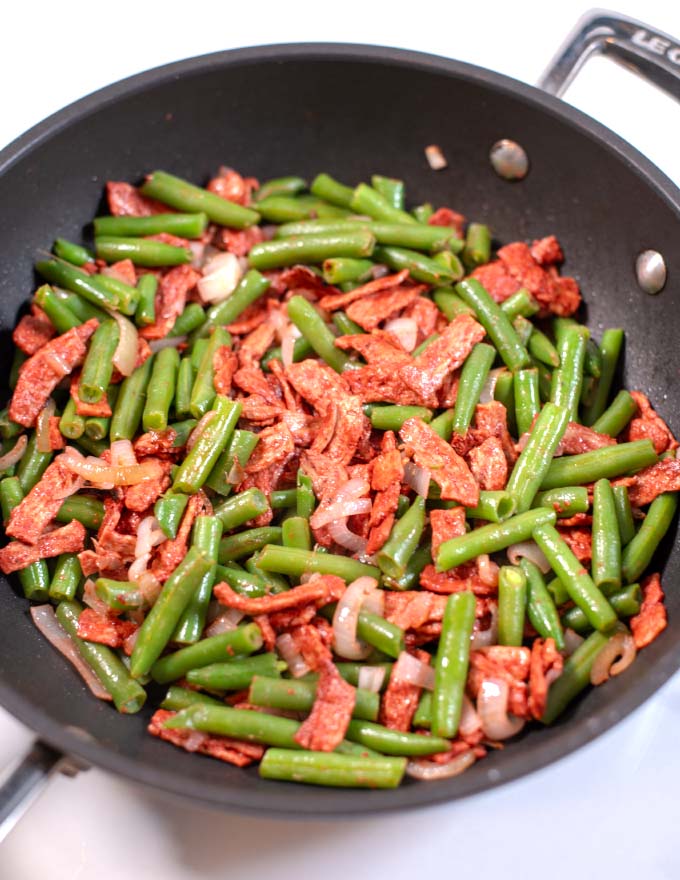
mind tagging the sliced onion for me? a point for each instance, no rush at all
(236, 473)
(411, 670)
(123, 454)
(221, 275)
(149, 586)
(288, 337)
(297, 666)
(344, 538)
(149, 535)
(169, 342)
(15, 454)
(470, 722)
(492, 708)
(193, 739)
(92, 600)
(489, 387)
(531, 551)
(56, 362)
(571, 641)
(406, 331)
(48, 624)
(435, 158)
(42, 427)
(227, 621)
(379, 271)
(125, 355)
(371, 678)
(199, 429)
(198, 249)
(346, 617)
(97, 471)
(340, 510)
(428, 771)
(606, 663)
(417, 478)
(483, 638)
(139, 566)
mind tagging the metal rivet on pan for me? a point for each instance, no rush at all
(650, 268)
(509, 160)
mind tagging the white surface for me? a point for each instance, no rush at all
(608, 810)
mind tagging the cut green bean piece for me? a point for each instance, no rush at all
(63, 318)
(389, 188)
(294, 563)
(638, 553)
(142, 251)
(184, 387)
(206, 536)
(305, 501)
(567, 380)
(606, 462)
(33, 465)
(281, 186)
(315, 248)
(610, 349)
(161, 390)
(606, 540)
(203, 392)
(182, 225)
(235, 674)
(346, 326)
(312, 326)
(239, 449)
(512, 600)
(246, 543)
(403, 540)
(420, 267)
(72, 253)
(333, 770)
(184, 196)
(98, 366)
(86, 509)
(477, 245)
(520, 303)
(71, 425)
(87, 286)
(617, 415)
(295, 532)
(542, 349)
(178, 698)
(298, 696)
(449, 304)
(626, 602)
(169, 510)
(472, 378)
(575, 676)
(395, 742)
(325, 187)
(366, 200)
(566, 501)
(451, 664)
(493, 506)
(541, 609)
(191, 319)
(504, 393)
(391, 418)
(624, 514)
(495, 322)
(199, 462)
(527, 399)
(130, 403)
(339, 269)
(535, 459)
(249, 289)
(238, 509)
(66, 578)
(35, 578)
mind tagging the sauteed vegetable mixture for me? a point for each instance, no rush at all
(355, 485)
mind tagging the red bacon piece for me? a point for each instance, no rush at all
(578, 438)
(325, 727)
(225, 364)
(337, 300)
(158, 443)
(373, 310)
(67, 539)
(32, 332)
(310, 642)
(171, 297)
(448, 469)
(556, 295)
(224, 748)
(104, 628)
(123, 270)
(448, 217)
(321, 590)
(664, 476)
(488, 464)
(545, 665)
(126, 200)
(99, 410)
(651, 619)
(56, 439)
(172, 552)
(231, 186)
(579, 541)
(237, 241)
(507, 663)
(30, 518)
(446, 524)
(400, 700)
(114, 550)
(649, 425)
(141, 496)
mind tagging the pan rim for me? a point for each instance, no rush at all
(277, 799)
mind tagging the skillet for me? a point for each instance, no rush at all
(300, 109)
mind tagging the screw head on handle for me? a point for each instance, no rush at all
(509, 160)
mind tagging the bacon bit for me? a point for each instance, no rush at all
(555, 295)
(225, 364)
(284, 620)
(171, 297)
(579, 541)
(650, 425)
(375, 347)
(448, 469)
(144, 494)
(547, 251)
(322, 590)
(491, 420)
(67, 539)
(336, 300)
(446, 524)
(274, 448)
(507, 663)
(231, 186)
(651, 619)
(457, 580)
(256, 313)
(496, 280)
(379, 382)
(428, 371)
(387, 472)
(126, 200)
(447, 217)
(326, 725)
(123, 270)
(326, 474)
(400, 700)
(172, 552)
(578, 519)
(168, 238)
(114, 550)
(100, 410)
(578, 438)
(300, 279)
(373, 310)
(413, 609)
(224, 748)
(256, 343)
(310, 642)
(32, 332)
(267, 630)
(30, 518)
(41, 373)
(426, 315)
(546, 664)
(237, 241)
(488, 464)
(159, 443)
(104, 628)
(664, 476)
(56, 439)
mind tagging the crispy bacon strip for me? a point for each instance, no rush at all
(448, 469)
(651, 619)
(578, 438)
(224, 748)
(67, 539)
(32, 332)
(325, 727)
(649, 425)
(171, 298)
(126, 200)
(545, 665)
(104, 628)
(488, 464)
(446, 524)
(372, 310)
(144, 494)
(334, 301)
(508, 663)
(664, 476)
(400, 700)
(29, 519)
(321, 590)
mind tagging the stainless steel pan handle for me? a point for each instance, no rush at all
(652, 54)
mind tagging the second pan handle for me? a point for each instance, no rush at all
(652, 54)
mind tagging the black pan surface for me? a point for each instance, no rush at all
(349, 110)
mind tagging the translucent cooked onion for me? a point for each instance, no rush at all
(15, 454)
(346, 617)
(487, 570)
(379, 271)
(435, 158)
(428, 771)
(92, 600)
(411, 670)
(125, 355)
(198, 250)
(288, 337)
(226, 621)
(149, 586)
(97, 471)
(122, 453)
(489, 387)
(221, 275)
(371, 678)
(614, 658)
(139, 566)
(531, 551)
(285, 645)
(56, 362)
(46, 620)
(406, 331)
(418, 478)
(492, 708)
(470, 722)
(149, 535)
(483, 638)
(344, 538)
(199, 429)
(169, 342)
(42, 427)
(340, 510)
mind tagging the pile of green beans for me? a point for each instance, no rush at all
(253, 532)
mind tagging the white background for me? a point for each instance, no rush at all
(609, 810)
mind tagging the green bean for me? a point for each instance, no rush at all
(566, 381)
(142, 251)
(169, 510)
(310, 323)
(527, 399)
(423, 212)
(295, 532)
(520, 303)
(184, 386)
(366, 200)
(66, 578)
(395, 742)
(243, 724)
(9, 430)
(451, 663)
(119, 595)
(610, 349)
(239, 449)
(235, 674)
(32, 465)
(86, 509)
(325, 187)
(246, 543)
(512, 601)
(128, 695)
(182, 225)
(523, 328)
(638, 553)
(237, 510)
(184, 196)
(391, 418)
(504, 393)
(493, 506)
(544, 381)
(472, 378)
(542, 349)
(492, 538)
(419, 349)
(311, 248)
(203, 392)
(94, 447)
(206, 538)
(199, 462)
(617, 415)
(450, 304)
(535, 459)
(565, 501)
(442, 425)
(578, 583)
(626, 602)
(80, 307)
(298, 696)
(130, 403)
(281, 186)
(624, 514)
(35, 578)
(558, 591)
(381, 634)
(420, 267)
(98, 366)
(398, 234)
(165, 613)
(72, 253)
(389, 188)
(575, 676)
(346, 326)
(304, 496)
(71, 425)
(409, 580)
(336, 770)
(339, 269)
(197, 351)
(249, 289)
(403, 540)
(477, 245)
(178, 698)
(284, 208)
(161, 390)
(56, 310)
(606, 462)
(98, 428)
(191, 319)
(495, 322)
(606, 559)
(294, 562)
(244, 582)
(88, 286)
(541, 609)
